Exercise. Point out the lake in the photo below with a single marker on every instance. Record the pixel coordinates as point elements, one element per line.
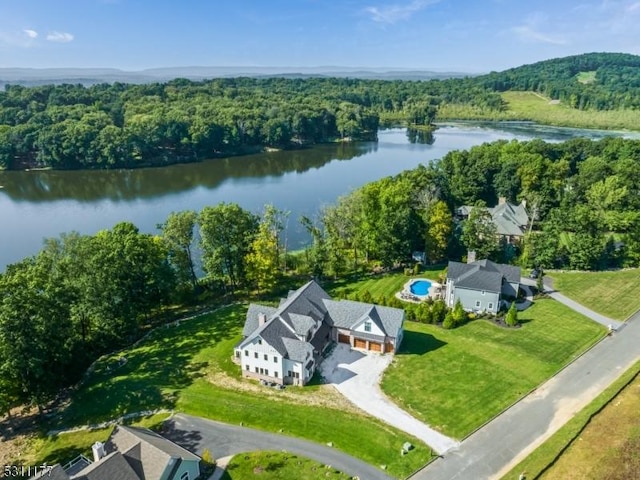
<point>40,204</point>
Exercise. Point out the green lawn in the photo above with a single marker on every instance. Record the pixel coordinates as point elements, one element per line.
<point>535,107</point>
<point>614,294</point>
<point>189,368</point>
<point>279,466</point>
<point>456,380</point>
<point>386,285</point>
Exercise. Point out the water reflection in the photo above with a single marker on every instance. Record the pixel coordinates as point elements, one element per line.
<point>125,185</point>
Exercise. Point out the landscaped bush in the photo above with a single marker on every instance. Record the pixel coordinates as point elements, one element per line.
<point>449,321</point>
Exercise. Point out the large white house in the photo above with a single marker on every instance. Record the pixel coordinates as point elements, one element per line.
<point>285,344</point>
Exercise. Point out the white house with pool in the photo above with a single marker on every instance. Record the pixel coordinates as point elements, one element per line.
<point>419,289</point>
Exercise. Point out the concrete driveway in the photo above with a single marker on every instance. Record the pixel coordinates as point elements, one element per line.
<point>356,375</point>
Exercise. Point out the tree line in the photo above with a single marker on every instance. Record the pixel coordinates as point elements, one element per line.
<point>84,295</point>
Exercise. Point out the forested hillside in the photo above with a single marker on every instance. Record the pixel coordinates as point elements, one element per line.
<point>126,126</point>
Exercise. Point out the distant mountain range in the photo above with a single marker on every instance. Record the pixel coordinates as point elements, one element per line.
<point>90,76</point>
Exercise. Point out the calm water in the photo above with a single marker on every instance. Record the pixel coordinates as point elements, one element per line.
<point>35,205</point>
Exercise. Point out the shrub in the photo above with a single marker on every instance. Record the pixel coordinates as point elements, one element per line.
<point>459,315</point>
<point>438,311</point>
<point>416,269</point>
<point>512,316</point>
<point>448,322</point>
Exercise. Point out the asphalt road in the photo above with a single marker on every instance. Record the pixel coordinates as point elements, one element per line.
<point>497,447</point>
<point>221,439</point>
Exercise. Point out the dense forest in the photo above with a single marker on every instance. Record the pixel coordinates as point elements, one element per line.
<point>124,126</point>
<point>84,295</point>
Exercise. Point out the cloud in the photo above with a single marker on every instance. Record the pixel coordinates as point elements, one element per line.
<point>528,33</point>
<point>30,33</point>
<point>59,37</point>
<point>394,13</point>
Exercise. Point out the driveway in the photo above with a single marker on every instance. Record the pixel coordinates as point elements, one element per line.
<point>222,440</point>
<point>356,375</point>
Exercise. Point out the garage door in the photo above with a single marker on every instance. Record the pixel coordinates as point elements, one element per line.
<point>360,343</point>
<point>343,338</point>
<point>375,347</point>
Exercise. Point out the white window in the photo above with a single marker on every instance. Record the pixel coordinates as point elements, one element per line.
<point>275,374</point>
<point>266,357</point>
<point>184,476</point>
<point>266,372</point>
<point>255,354</point>
<point>490,306</point>
<point>367,326</point>
<point>246,367</point>
<point>275,359</point>
<point>478,304</point>
<point>246,353</point>
<point>260,340</point>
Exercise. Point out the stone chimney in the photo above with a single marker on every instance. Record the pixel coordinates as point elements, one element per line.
<point>471,256</point>
<point>262,319</point>
<point>98,451</point>
<point>502,200</point>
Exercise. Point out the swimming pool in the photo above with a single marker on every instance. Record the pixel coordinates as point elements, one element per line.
<point>420,287</point>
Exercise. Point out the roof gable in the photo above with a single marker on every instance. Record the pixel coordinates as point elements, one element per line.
<point>347,314</point>
<point>482,275</point>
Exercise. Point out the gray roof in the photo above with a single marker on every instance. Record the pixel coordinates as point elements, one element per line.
<point>112,467</point>
<point>482,275</point>
<point>56,473</point>
<point>251,323</point>
<point>347,313</point>
<point>297,350</point>
<point>302,310</point>
<point>508,218</point>
<point>147,452</point>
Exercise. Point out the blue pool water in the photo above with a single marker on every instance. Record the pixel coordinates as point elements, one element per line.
<point>420,287</point>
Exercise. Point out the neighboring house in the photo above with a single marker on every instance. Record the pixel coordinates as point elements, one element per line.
<point>131,453</point>
<point>285,344</point>
<point>481,286</point>
<point>510,220</point>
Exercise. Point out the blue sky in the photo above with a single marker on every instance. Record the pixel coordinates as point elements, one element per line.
<point>462,35</point>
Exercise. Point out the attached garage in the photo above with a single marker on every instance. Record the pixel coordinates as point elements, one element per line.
<point>344,338</point>
<point>388,348</point>
<point>358,343</point>
<point>375,346</point>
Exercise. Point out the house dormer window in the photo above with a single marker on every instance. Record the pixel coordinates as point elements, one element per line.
<point>260,340</point>
<point>367,326</point>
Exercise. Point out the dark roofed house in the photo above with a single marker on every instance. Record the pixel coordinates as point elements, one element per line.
<point>285,344</point>
<point>510,220</point>
<point>481,286</point>
<point>132,453</point>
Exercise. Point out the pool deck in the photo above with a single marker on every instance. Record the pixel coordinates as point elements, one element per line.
<point>406,295</point>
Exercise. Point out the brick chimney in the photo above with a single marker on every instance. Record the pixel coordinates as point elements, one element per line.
<point>262,319</point>
<point>471,256</point>
<point>98,451</point>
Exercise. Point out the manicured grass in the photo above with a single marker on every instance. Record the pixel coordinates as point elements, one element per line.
<point>189,368</point>
<point>279,466</point>
<point>386,285</point>
<point>600,428</point>
<point>586,77</point>
<point>614,294</point>
<point>456,380</point>
<point>534,107</point>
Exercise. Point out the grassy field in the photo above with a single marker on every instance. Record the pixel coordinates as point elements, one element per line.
<point>189,368</point>
<point>386,285</point>
<point>535,107</point>
<point>592,443</point>
<point>614,294</point>
<point>456,380</point>
<point>279,466</point>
